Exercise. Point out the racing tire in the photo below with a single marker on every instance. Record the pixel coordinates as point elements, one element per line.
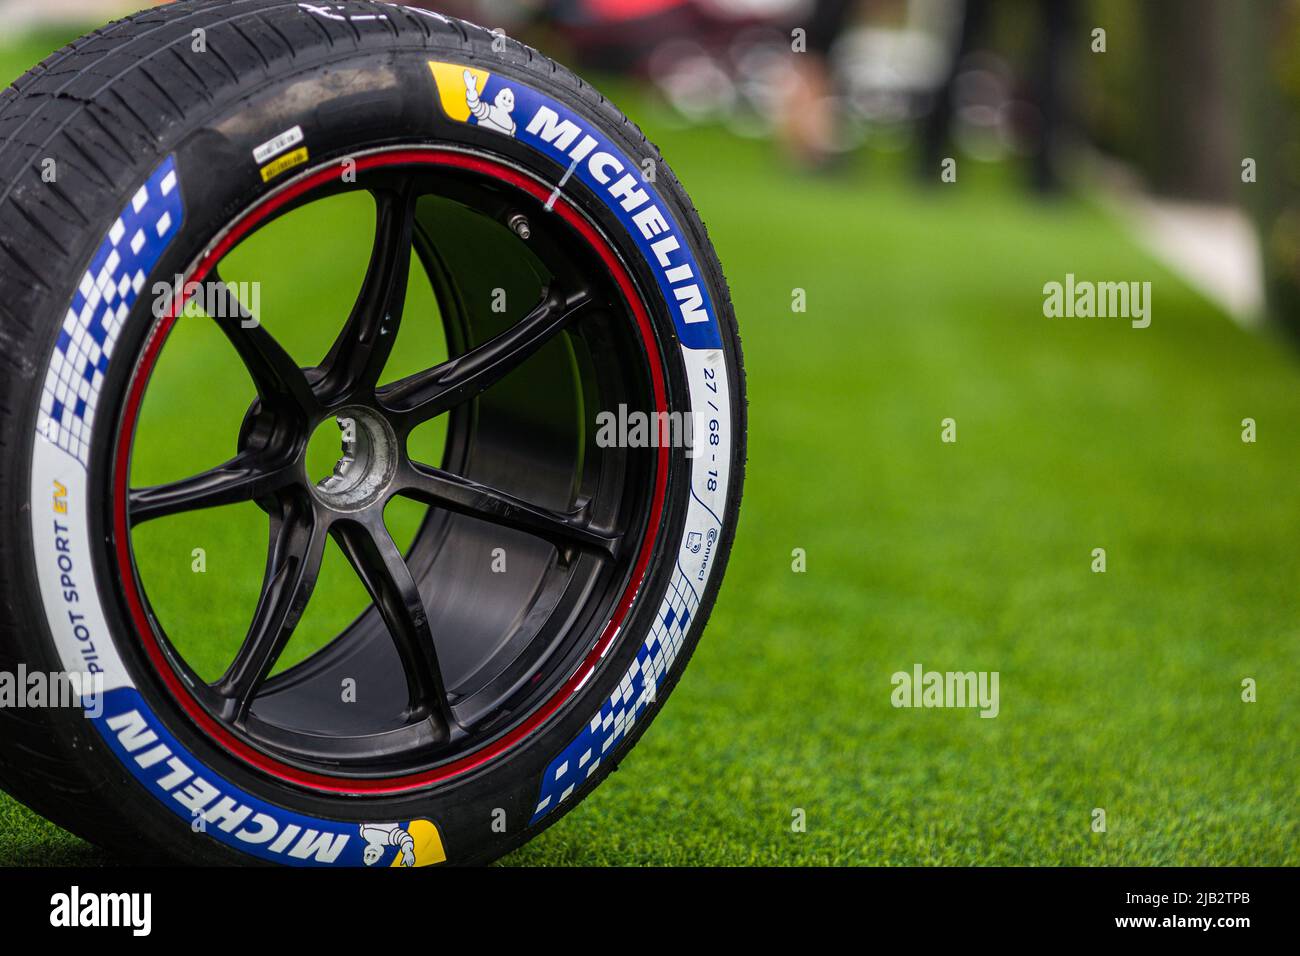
<point>134,164</point>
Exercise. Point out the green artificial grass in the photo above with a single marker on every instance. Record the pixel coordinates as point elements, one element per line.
<point>1119,691</point>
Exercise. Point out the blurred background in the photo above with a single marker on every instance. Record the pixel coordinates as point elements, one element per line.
<point>1159,104</point>
<point>1148,140</point>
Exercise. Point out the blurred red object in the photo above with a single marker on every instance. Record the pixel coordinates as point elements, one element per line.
<point>632,9</point>
<point>622,34</point>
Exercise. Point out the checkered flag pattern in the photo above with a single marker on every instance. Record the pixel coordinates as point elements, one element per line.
<point>106,294</point>
<point>635,692</point>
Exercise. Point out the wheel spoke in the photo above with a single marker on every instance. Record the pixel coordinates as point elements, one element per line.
<point>293,563</point>
<point>427,394</point>
<point>277,376</point>
<point>384,572</point>
<point>576,517</point>
<point>358,355</point>
<point>243,478</point>
<point>441,489</point>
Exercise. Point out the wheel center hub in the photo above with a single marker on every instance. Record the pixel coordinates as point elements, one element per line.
<point>365,469</point>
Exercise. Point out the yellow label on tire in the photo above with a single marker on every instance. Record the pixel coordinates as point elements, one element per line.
<point>285,163</point>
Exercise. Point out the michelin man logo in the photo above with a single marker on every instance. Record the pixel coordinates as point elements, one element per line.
<point>415,843</point>
<point>380,836</point>
<point>497,116</point>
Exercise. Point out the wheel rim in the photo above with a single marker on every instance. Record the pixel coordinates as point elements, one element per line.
<point>597,548</point>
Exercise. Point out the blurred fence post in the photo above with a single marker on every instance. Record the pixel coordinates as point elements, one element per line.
<point>1187,142</point>
<point>1267,59</point>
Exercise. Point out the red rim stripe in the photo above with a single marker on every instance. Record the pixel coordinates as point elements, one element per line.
<point>126,435</point>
